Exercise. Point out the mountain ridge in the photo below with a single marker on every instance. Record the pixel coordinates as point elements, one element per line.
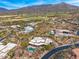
<point>44,9</point>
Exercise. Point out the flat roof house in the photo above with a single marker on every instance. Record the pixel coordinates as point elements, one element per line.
<point>38,41</point>
<point>4,49</point>
<point>63,32</point>
<point>15,26</point>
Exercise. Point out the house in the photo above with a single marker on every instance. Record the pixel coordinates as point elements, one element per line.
<point>32,24</point>
<point>27,29</point>
<point>62,32</point>
<point>39,41</point>
<point>4,49</point>
<point>51,32</point>
<point>15,26</point>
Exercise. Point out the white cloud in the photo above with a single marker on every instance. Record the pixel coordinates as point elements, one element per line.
<point>11,5</point>
<point>73,1</point>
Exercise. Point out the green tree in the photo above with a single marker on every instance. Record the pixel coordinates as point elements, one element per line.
<point>47,47</point>
<point>24,44</point>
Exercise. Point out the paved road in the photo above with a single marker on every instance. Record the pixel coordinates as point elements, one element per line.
<point>2,39</point>
<point>58,49</point>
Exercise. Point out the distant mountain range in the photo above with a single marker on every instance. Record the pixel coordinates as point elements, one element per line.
<point>42,9</point>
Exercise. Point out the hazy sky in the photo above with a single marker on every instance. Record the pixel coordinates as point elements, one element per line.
<point>14,4</point>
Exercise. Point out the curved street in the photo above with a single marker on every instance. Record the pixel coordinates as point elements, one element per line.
<point>58,49</point>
